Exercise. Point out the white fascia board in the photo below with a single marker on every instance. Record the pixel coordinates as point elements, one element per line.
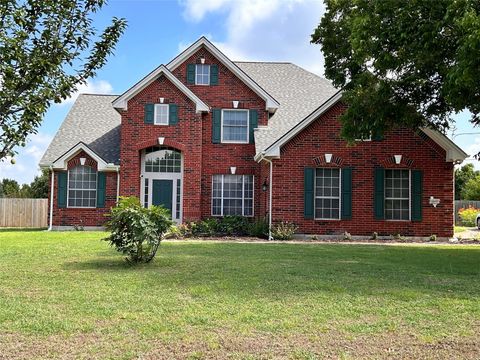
<point>122,101</point>
<point>270,103</point>
<point>62,162</point>
<point>454,152</point>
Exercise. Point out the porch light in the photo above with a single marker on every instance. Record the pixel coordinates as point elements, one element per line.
<point>398,159</point>
<point>162,100</point>
<point>233,170</point>
<point>82,161</point>
<point>202,60</point>
<point>328,158</point>
<point>265,185</point>
<point>235,103</point>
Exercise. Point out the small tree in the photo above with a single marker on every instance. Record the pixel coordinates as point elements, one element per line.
<point>137,231</point>
<point>471,190</point>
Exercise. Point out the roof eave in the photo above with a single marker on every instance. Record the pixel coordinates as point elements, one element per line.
<point>61,163</point>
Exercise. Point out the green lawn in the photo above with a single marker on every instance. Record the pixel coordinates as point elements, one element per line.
<point>68,295</point>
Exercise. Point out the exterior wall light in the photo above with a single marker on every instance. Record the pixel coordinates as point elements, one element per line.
<point>161,140</point>
<point>162,100</point>
<point>265,185</point>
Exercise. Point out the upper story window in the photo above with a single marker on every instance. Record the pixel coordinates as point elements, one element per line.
<point>161,114</point>
<point>162,160</point>
<point>327,193</point>
<point>397,194</point>
<point>235,126</point>
<point>202,74</point>
<point>82,187</point>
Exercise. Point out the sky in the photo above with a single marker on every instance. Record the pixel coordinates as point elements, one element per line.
<point>249,30</point>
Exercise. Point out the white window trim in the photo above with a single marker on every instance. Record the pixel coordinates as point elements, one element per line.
<point>68,193</point>
<point>243,195</point>
<point>155,114</point>
<point>248,128</point>
<point>209,74</point>
<point>409,197</point>
<point>328,197</point>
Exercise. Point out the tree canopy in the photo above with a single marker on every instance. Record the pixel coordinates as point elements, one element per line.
<point>462,177</point>
<point>47,49</point>
<point>402,63</point>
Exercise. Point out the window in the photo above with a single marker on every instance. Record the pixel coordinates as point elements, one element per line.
<point>232,195</point>
<point>161,114</point>
<point>202,74</point>
<point>327,193</point>
<point>235,126</point>
<point>162,160</point>
<point>82,187</point>
<point>397,194</point>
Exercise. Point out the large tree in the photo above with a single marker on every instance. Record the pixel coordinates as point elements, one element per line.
<point>47,49</point>
<point>462,176</point>
<point>402,63</point>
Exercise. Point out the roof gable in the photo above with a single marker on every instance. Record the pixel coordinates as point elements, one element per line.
<point>270,102</point>
<point>122,101</point>
<point>61,163</point>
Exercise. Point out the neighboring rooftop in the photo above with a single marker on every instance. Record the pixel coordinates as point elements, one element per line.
<point>92,120</point>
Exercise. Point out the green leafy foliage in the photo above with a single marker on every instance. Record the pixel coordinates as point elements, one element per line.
<point>224,226</point>
<point>37,189</point>
<point>402,63</point>
<point>471,189</point>
<point>283,230</point>
<point>48,48</point>
<point>468,216</point>
<point>136,231</point>
<point>40,185</point>
<point>462,176</point>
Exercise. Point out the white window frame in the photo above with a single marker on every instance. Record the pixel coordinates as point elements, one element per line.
<point>243,195</point>
<point>74,189</point>
<point>409,196</point>
<point>248,128</point>
<point>328,197</point>
<point>197,74</point>
<point>155,110</point>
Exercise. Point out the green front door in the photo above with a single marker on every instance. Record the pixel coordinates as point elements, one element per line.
<point>162,193</point>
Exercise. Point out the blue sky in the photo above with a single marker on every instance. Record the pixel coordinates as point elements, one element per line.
<point>270,30</point>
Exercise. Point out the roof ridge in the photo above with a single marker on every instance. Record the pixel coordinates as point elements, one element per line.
<point>263,62</point>
<point>93,94</point>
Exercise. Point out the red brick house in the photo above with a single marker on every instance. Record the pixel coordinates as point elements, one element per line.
<point>205,136</point>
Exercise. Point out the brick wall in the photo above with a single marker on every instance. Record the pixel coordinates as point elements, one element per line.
<point>308,149</point>
<point>84,216</point>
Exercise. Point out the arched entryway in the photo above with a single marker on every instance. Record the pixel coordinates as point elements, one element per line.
<point>162,182</point>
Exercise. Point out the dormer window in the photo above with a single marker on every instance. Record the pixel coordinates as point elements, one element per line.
<point>202,74</point>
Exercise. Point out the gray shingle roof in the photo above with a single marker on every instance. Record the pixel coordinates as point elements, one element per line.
<point>298,91</point>
<point>92,120</point>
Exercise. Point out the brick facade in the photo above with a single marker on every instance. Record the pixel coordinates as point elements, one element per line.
<point>202,159</point>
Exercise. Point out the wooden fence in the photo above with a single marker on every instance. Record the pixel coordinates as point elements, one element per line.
<point>25,213</point>
<point>459,204</point>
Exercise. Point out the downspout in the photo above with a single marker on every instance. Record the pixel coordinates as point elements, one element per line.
<point>270,192</point>
<point>50,223</point>
<point>118,183</point>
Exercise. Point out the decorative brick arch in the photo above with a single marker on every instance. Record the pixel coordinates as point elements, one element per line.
<point>334,162</point>
<point>390,162</point>
<point>167,142</point>
<point>75,161</point>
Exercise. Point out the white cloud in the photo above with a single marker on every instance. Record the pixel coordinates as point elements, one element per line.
<point>26,162</point>
<point>268,30</point>
<point>91,87</point>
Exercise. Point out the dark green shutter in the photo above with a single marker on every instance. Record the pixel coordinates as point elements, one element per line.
<point>101,189</point>
<point>379,193</point>
<point>308,192</point>
<point>417,188</point>
<point>148,114</point>
<point>173,114</point>
<point>62,189</point>
<point>253,125</point>
<point>191,73</point>
<point>346,193</point>
<point>213,74</point>
<point>216,125</point>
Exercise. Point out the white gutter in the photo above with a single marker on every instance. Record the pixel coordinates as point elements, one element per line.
<point>51,199</point>
<point>270,192</point>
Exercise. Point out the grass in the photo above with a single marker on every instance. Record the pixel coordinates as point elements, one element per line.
<point>460,229</point>
<point>70,295</point>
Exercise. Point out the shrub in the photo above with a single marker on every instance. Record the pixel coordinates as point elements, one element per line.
<point>468,216</point>
<point>233,225</point>
<point>137,231</point>
<point>207,227</point>
<point>283,230</point>
<point>258,228</point>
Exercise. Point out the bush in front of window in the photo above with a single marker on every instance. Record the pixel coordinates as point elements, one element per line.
<point>283,230</point>
<point>258,228</point>
<point>137,231</point>
<point>468,216</point>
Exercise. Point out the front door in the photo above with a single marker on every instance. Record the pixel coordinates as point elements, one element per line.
<point>162,191</point>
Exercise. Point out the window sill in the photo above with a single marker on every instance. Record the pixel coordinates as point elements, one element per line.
<point>235,142</point>
<point>80,207</point>
<point>320,219</point>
